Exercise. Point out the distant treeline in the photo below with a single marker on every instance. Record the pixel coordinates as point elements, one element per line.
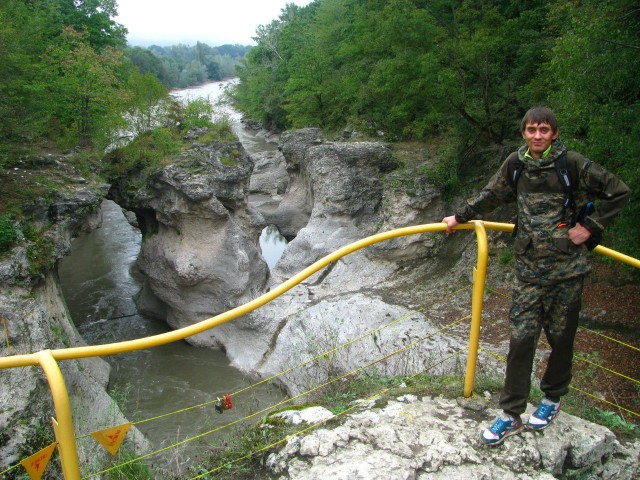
<point>458,74</point>
<point>180,66</point>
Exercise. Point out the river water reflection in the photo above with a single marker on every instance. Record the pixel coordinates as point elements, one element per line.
<point>99,280</point>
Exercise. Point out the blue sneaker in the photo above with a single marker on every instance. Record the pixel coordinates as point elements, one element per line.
<point>503,427</point>
<point>544,415</point>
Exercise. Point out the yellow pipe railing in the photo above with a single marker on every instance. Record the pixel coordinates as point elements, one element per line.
<point>63,426</point>
<point>479,276</point>
<point>185,332</point>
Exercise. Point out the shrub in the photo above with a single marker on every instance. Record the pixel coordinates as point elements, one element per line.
<point>197,113</point>
<point>8,233</point>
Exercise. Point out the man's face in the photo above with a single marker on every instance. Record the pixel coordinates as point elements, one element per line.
<point>538,137</point>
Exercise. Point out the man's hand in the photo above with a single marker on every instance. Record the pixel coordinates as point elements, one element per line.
<point>451,222</point>
<point>578,234</point>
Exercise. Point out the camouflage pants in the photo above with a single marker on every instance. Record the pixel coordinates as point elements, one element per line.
<point>554,309</point>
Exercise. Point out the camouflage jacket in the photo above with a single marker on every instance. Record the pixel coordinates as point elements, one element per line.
<point>544,254</point>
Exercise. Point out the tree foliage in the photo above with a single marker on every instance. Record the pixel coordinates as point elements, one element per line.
<point>83,81</point>
<point>63,74</point>
<point>180,66</point>
<point>461,72</point>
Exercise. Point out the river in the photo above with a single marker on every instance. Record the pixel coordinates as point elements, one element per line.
<point>99,280</point>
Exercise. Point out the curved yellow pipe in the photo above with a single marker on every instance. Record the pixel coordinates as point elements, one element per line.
<point>63,424</point>
<point>181,334</point>
<point>479,278</point>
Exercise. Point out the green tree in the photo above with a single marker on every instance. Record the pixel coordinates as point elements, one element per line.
<point>146,107</point>
<point>95,18</point>
<point>262,79</point>
<point>23,112</point>
<point>595,65</point>
<point>312,66</point>
<point>85,84</point>
<point>194,73</point>
<point>146,61</point>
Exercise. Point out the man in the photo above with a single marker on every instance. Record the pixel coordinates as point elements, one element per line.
<point>554,230</point>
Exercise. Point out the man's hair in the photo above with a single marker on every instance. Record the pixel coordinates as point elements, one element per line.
<point>537,115</point>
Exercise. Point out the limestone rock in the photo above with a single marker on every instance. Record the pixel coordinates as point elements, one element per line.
<point>199,249</point>
<point>269,174</point>
<point>33,311</point>
<point>337,192</point>
<point>433,438</point>
<point>310,415</point>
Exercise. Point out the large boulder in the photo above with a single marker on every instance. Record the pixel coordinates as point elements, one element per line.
<point>200,249</point>
<point>341,186</point>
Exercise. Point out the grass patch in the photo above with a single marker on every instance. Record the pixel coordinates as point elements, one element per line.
<point>145,153</point>
<point>134,470</point>
<point>506,256</point>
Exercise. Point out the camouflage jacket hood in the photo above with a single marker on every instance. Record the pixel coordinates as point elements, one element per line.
<point>543,251</point>
<point>557,147</point>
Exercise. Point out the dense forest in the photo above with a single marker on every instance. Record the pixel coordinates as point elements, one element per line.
<point>455,75</point>
<point>459,74</point>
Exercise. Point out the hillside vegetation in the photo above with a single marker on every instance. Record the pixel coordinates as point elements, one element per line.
<point>459,73</point>
<point>455,76</point>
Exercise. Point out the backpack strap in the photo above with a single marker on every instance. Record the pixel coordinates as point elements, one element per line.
<point>514,170</point>
<point>568,185</point>
<point>566,177</point>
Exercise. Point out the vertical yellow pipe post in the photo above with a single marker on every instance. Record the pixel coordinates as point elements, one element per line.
<point>63,425</point>
<point>479,278</point>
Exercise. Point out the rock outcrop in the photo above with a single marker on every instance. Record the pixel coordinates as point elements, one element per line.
<point>341,186</point>
<point>414,437</point>
<point>36,318</point>
<point>199,250</point>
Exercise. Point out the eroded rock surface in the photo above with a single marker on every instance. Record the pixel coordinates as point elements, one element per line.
<point>35,317</point>
<point>435,438</point>
<point>199,250</point>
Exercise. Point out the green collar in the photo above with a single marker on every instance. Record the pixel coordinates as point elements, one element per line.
<point>545,154</point>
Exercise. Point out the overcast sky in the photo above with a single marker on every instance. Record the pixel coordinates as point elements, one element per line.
<point>214,22</point>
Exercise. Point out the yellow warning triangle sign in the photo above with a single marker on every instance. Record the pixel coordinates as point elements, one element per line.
<point>36,464</point>
<point>112,438</point>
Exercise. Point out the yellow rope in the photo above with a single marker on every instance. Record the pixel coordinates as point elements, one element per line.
<point>306,362</point>
<point>9,469</point>
<point>235,422</point>
<point>610,338</point>
<point>497,355</point>
<point>311,427</point>
<point>604,401</point>
<point>585,328</point>
<point>606,369</point>
<point>602,367</point>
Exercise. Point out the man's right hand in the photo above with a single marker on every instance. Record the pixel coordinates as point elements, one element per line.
<point>451,222</point>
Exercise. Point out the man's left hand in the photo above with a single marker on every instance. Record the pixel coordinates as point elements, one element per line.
<point>578,234</point>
